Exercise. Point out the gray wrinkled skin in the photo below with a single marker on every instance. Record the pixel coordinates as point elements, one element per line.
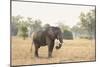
<point>47,37</point>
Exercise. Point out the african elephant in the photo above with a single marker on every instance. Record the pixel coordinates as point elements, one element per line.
<point>47,37</point>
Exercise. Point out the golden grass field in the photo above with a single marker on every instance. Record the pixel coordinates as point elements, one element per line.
<point>71,51</point>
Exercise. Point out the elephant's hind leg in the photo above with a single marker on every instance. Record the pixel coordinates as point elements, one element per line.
<point>36,50</point>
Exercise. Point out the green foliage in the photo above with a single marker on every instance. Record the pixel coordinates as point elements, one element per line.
<point>14,25</point>
<point>19,22</point>
<point>86,27</point>
<point>23,31</point>
<point>87,22</point>
<point>14,29</point>
<point>75,29</point>
<point>37,25</point>
<point>19,26</point>
<point>46,26</point>
<point>34,25</point>
<point>67,34</point>
<point>63,27</point>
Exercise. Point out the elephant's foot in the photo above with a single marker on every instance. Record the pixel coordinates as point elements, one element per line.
<point>36,56</point>
<point>49,56</point>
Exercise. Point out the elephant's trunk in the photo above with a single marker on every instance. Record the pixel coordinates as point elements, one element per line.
<point>58,47</point>
<point>61,41</point>
<point>60,38</point>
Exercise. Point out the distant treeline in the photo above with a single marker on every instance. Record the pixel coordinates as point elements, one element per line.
<point>24,27</point>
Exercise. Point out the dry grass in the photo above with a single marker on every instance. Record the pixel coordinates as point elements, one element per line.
<point>71,51</point>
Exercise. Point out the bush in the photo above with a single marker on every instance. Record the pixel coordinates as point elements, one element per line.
<point>23,32</point>
<point>67,34</point>
<point>14,29</point>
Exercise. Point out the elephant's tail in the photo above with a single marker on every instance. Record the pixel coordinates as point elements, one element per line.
<point>31,47</point>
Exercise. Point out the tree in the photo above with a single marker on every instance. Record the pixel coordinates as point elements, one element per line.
<point>33,25</point>
<point>63,27</point>
<point>14,24</point>
<point>14,29</point>
<point>19,24</point>
<point>76,30</point>
<point>67,34</point>
<point>37,25</point>
<point>23,29</point>
<point>24,32</point>
<point>46,26</point>
<point>87,22</point>
<point>30,26</point>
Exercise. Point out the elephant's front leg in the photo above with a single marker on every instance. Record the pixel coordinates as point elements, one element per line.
<point>50,49</point>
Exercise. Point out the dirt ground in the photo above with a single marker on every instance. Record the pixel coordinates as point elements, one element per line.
<point>71,51</point>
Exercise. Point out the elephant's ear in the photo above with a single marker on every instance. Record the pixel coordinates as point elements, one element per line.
<point>51,33</point>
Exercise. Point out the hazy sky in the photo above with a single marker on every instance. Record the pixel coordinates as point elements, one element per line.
<point>50,13</point>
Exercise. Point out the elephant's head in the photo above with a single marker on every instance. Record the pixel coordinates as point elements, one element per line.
<point>59,37</point>
<point>55,33</point>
